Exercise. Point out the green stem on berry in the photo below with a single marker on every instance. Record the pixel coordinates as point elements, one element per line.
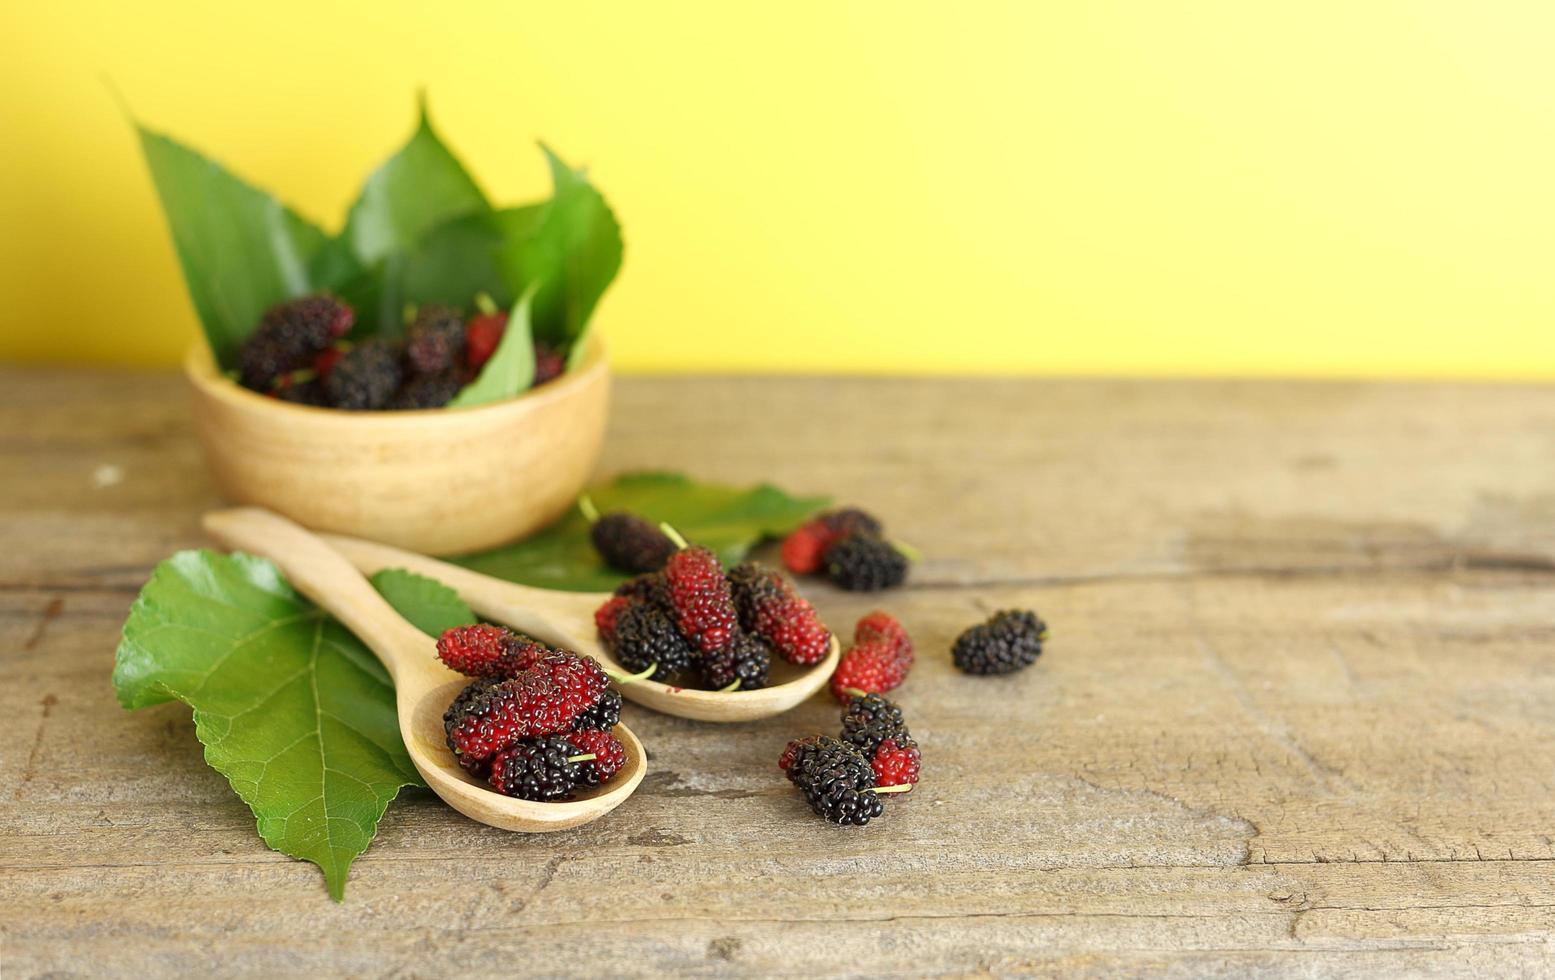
<point>732,687</point>
<point>900,788</point>
<point>908,551</point>
<point>674,535</point>
<point>590,512</point>
<point>297,377</point>
<point>590,757</point>
<point>621,678</point>
<point>485,304</point>
<point>854,692</point>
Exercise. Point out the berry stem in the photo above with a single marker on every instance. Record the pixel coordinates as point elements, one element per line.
<point>732,687</point>
<point>908,551</point>
<point>589,757</point>
<point>297,377</point>
<point>902,788</point>
<point>485,304</point>
<point>590,512</point>
<point>621,678</point>
<point>409,313</point>
<point>674,535</point>
<point>854,692</point>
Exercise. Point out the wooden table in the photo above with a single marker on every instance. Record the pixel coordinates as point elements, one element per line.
<point>1297,715</point>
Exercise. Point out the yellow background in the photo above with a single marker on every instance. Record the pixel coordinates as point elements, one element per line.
<point>1209,188</point>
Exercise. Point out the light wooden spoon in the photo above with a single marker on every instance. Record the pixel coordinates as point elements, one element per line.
<point>423,687</point>
<point>566,619</point>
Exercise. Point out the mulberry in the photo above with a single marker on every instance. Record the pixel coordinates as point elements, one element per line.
<point>881,626</point>
<point>605,714</point>
<point>549,364</point>
<point>837,783</point>
<point>865,563</point>
<point>427,391</point>
<point>608,752</point>
<point>289,336</point>
<point>606,615</point>
<point>435,340</point>
<point>769,608</point>
<point>868,667</point>
<point>896,763</point>
<point>481,336</point>
<point>1007,642</point>
<point>645,636</point>
<point>745,658</point>
<point>869,719</point>
<point>526,706</point>
<point>365,378</point>
<point>700,597</point>
<point>537,769</point>
<point>631,544</point>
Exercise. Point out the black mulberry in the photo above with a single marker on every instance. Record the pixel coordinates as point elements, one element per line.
<point>427,391</point>
<point>645,636</point>
<point>289,336</point>
<point>605,714</point>
<point>1009,641</point>
<point>865,563</point>
<point>435,340</point>
<point>745,658</point>
<point>537,769</point>
<point>838,782</point>
<point>630,543</point>
<point>871,719</point>
<point>365,378</point>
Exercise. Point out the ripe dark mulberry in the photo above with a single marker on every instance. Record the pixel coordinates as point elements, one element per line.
<point>645,636</point>
<point>427,391</point>
<point>745,658</point>
<point>865,563</point>
<point>699,594</point>
<point>537,769</point>
<point>605,714</point>
<point>435,341</point>
<point>289,336</point>
<point>652,588</point>
<point>836,781</point>
<point>365,378</point>
<point>797,751</point>
<point>804,550</point>
<point>1009,641</point>
<point>609,755</point>
<point>869,719</point>
<point>549,363</point>
<point>770,608</point>
<point>630,543</point>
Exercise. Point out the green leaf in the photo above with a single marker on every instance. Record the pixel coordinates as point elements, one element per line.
<point>292,708</point>
<point>574,250</point>
<point>429,605</point>
<point>414,191</point>
<point>729,520</point>
<point>241,250</point>
<point>512,365</point>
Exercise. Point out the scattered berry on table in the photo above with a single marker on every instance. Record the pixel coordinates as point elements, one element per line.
<point>865,563</point>
<point>871,667</point>
<point>604,716</point>
<point>880,625</point>
<point>745,658</point>
<point>537,769</point>
<point>850,520</point>
<point>837,782</point>
<point>609,755</point>
<point>802,549</point>
<point>700,597</point>
<point>435,341</point>
<point>869,719</point>
<point>796,751</point>
<point>1007,642</point>
<point>365,378</point>
<point>630,543</point>
<point>770,608</point>
<point>289,336</point>
<point>482,334</point>
<point>644,636</point>
<point>896,762</point>
<point>549,363</point>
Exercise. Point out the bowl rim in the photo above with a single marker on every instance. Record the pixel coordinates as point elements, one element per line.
<point>201,370</point>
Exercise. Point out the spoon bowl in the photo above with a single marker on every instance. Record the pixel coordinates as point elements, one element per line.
<point>423,687</point>
<point>566,619</point>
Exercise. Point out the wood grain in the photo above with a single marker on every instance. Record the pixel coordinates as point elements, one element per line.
<point>1294,720</point>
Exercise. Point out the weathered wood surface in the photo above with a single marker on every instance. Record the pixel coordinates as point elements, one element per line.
<point>1297,716</point>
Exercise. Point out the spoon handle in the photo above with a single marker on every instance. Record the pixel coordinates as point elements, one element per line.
<point>538,612</point>
<point>323,575</point>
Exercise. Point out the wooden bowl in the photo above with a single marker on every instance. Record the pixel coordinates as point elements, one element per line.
<point>440,481</point>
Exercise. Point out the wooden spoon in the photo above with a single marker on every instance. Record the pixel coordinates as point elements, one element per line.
<point>423,687</point>
<point>566,619</point>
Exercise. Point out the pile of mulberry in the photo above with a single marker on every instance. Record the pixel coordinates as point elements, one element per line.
<point>851,547</point>
<point>1009,641</point>
<point>878,661</point>
<point>694,625</point>
<point>536,721</point>
<point>844,779</point>
<point>288,339</point>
